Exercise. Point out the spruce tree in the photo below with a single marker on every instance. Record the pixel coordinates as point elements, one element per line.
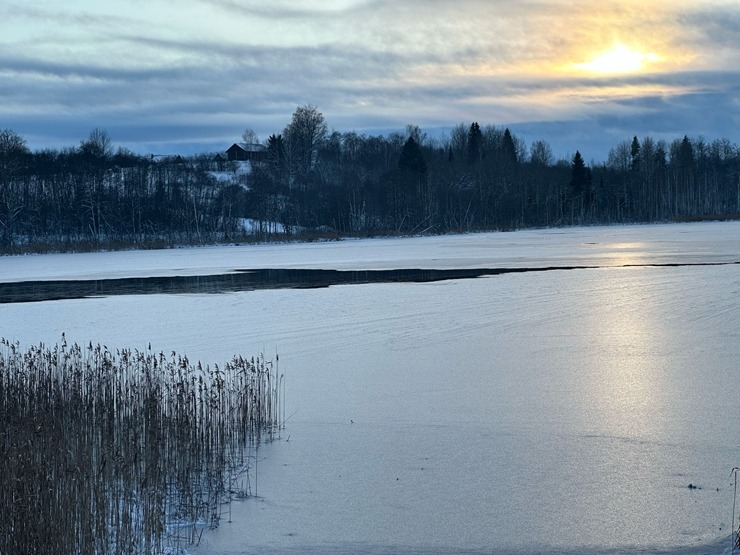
<point>475,144</point>
<point>508,148</point>
<point>635,152</point>
<point>412,159</point>
<point>580,180</point>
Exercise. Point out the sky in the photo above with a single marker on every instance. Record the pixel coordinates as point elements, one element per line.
<point>190,76</point>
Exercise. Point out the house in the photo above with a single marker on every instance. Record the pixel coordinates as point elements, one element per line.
<point>244,151</point>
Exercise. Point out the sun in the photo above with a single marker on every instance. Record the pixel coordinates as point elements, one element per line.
<point>620,59</point>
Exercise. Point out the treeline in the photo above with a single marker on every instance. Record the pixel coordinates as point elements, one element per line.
<point>93,196</point>
<point>316,181</point>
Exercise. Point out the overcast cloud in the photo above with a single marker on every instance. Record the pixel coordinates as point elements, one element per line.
<point>190,76</point>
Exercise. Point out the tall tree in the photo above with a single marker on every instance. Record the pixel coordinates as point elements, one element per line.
<point>13,157</point>
<point>406,187</point>
<point>635,153</point>
<point>250,137</point>
<point>541,154</point>
<point>458,141</point>
<point>475,144</point>
<point>686,154</point>
<point>415,131</point>
<point>580,176</point>
<point>276,152</point>
<point>304,135</point>
<point>412,159</point>
<point>508,148</point>
<point>98,145</point>
<point>580,184</point>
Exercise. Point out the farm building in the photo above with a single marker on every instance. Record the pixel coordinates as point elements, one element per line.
<point>244,151</point>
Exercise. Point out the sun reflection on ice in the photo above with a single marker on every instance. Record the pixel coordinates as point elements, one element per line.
<point>626,333</point>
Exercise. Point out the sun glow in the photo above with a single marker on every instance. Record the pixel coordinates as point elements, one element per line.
<point>620,59</point>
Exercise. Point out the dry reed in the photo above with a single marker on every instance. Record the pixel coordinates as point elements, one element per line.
<point>132,453</point>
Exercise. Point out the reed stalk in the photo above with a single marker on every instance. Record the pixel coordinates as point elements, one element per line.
<point>129,452</point>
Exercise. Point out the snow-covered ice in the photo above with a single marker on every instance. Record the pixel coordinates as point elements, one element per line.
<point>589,246</point>
<point>551,411</point>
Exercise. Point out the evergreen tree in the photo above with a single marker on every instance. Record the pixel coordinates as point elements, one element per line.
<point>276,150</point>
<point>412,159</point>
<point>660,156</point>
<point>508,148</point>
<point>580,180</point>
<point>475,144</point>
<point>686,154</point>
<point>635,153</point>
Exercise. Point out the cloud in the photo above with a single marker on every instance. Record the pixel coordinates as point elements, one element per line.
<point>205,71</point>
<point>704,114</point>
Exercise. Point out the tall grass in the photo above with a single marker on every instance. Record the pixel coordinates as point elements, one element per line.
<point>133,452</point>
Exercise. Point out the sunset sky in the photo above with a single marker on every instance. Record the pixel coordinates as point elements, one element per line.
<point>189,76</point>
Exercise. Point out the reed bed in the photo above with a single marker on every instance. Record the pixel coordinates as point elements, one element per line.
<point>132,453</point>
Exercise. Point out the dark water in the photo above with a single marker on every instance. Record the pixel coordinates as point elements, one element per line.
<point>241,280</point>
<point>254,279</point>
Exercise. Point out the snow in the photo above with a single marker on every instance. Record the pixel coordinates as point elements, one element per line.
<point>223,177</point>
<point>523,413</point>
<point>242,167</point>
<point>253,226</point>
<point>238,175</point>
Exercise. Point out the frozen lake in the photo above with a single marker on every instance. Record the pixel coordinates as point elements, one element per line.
<point>549,410</point>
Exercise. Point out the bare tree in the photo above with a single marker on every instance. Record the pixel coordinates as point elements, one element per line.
<point>13,153</point>
<point>415,132</point>
<point>305,134</point>
<point>98,144</point>
<point>541,154</point>
<point>458,141</point>
<point>620,157</point>
<point>250,137</point>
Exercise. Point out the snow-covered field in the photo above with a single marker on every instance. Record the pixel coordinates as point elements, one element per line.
<point>553,411</point>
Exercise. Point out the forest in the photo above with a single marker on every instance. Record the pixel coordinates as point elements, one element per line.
<point>317,183</point>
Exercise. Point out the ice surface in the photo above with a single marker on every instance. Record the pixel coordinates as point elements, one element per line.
<point>591,246</point>
<point>558,411</point>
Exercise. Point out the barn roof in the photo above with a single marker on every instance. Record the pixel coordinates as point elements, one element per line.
<point>249,147</point>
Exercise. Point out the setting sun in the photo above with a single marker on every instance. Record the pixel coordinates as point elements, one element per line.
<point>620,59</point>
